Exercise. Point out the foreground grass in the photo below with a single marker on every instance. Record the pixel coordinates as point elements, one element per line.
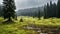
<point>15,28</point>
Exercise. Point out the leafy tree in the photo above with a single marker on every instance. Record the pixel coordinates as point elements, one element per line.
<point>9,9</point>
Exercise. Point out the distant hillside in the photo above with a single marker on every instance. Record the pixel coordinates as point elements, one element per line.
<point>30,11</point>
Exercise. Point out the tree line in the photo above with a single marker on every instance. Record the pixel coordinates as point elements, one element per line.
<point>52,10</point>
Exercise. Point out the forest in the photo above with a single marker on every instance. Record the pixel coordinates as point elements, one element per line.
<point>39,20</point>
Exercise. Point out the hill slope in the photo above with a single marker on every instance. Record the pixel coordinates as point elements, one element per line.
<point>30,11</point>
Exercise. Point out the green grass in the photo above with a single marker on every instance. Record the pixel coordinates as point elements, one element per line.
<point>15,28</point>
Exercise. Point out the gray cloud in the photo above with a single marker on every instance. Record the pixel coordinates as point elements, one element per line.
<point>31,3</point>
<point>21,4</point>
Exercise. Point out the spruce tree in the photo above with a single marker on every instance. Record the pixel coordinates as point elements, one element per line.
<point>58,9</point>
<point>45,12</point>
<point>48,7</point>
<point>51,9</point>
<point>54,10</point>
<point>9,9</point>
<point>39,14</point>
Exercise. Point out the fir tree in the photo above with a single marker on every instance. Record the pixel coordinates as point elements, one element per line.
<point>58,9</point>
<point>9,9</point>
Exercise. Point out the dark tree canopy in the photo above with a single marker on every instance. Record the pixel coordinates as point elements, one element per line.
<point>50,10</point>
<point>39,14</point>
<point>0,10</point>
<point>9,9</point>
<point>58,9</point>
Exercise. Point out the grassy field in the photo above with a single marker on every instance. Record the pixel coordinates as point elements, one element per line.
<point>16,27</point>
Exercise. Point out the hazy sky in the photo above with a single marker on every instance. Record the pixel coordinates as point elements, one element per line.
<point>22,4</point>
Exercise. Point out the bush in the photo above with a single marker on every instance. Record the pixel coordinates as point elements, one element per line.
<point>21,20</point>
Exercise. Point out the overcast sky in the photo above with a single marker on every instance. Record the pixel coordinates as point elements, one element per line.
<point>22,4</point>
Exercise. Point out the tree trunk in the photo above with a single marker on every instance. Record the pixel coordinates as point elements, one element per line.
<point>9,19</point>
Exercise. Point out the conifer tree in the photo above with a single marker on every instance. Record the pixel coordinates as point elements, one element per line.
<point>58,9</point>
<point>39,14</point>
<point>9,9</point>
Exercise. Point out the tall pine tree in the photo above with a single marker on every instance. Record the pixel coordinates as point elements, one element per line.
<point>48,12</point>
<point>58,9</point>
<point>45,12</point>
<point>54,10</point>
<point>9,9</point>
<point>51,9</point>
<point>39,14</point>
